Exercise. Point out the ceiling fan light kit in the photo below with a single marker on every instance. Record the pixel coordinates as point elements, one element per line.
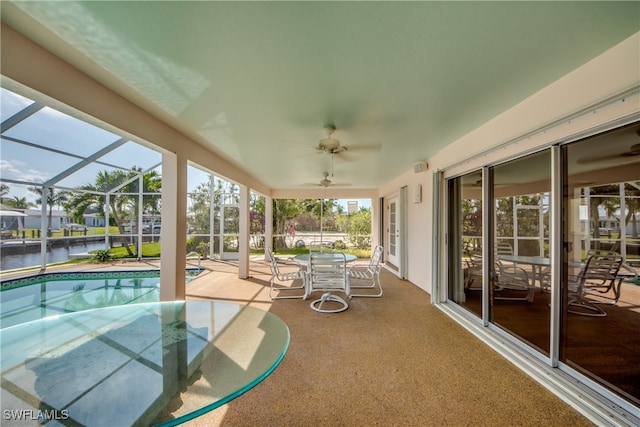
<point>326,182</point>
<point>330,145</point>
<point>633,151</point>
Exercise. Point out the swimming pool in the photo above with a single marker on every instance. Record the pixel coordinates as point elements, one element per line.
<point>51,294</point>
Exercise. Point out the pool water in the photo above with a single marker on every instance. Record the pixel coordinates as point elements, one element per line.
<point>51,294</point>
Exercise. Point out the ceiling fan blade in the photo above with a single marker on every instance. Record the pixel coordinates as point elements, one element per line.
<point>315,184</point>
<point>478,184</point>
<point>364,147</point>
<point>326,183</point>
<point>345,156</point>
<point>596,159</point>
<point>300,148</point>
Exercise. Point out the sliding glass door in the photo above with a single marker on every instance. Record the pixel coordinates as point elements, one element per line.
<point>499,254</point>
<point>602,212</point>
<point>521,264</point>
<point>465,241</point>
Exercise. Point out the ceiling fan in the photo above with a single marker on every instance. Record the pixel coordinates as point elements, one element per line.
<point>633,151</point>
<point>478,184</point>
<point>331,145</point>
<point>326,182</point>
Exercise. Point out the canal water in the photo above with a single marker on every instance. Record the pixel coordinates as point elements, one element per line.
<point>56,254</point>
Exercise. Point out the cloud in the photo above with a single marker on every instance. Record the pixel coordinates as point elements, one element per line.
<point>15,169</point>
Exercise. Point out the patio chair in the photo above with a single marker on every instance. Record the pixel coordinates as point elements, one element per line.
<point>473,270</point>
<point>328,273</point>
<point>513,280</point>
<point>600,270</point>
<point>278,278</point>
<point>601,285</point>
<point>504,249</point>
<point>369,273</point>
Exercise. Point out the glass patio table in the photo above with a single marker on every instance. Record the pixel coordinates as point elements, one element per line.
<point>138,364</point>
<point>537,263</point>
<point>304,258</point>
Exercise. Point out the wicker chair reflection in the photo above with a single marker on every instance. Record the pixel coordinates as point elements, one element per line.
<point>328,274</point>
<point>278,278</point>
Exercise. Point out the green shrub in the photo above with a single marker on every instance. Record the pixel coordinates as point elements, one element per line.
<point>339,244</point>
<point>203,249</point>
<point>198,244</point>
<point>102,255</point>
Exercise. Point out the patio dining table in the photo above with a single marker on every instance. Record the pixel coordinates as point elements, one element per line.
<point>304,258</point>
<point>137,364</point>
<point>537,263</point>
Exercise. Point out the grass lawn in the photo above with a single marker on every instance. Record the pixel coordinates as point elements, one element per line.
<point>152,250</point>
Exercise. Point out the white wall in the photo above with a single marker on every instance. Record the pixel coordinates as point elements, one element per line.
<point>606,76</point>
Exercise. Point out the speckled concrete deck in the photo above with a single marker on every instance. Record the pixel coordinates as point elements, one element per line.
<point>395,360</point>
<point>392,361</point>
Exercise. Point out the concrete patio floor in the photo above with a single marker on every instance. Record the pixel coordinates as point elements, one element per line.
<point>396,360</point>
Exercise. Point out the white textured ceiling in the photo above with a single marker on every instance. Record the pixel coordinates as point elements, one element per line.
<point>257,81</point>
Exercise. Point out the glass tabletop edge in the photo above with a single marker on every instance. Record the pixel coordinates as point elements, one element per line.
<point>195,414</point>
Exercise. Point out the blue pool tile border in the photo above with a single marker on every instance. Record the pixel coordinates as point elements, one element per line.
<point>124,274</point>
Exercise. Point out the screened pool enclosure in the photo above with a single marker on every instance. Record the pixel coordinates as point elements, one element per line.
<point>101,190</point>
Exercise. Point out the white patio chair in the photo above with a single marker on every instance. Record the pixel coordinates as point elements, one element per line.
<point>278,279</point>
<point>328,273</point>
<point>473,271</point>
<point>513,280</point>
<point>504,249</point>
<point>602,286</point>
<point>600,270</point>
<point>369,273</point>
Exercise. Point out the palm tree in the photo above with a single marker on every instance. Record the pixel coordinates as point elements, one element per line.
<point>123,203</point>
<point>18,202</point>
<point>608,204</point>
<point>633,206</point>
<point>4,192</point>
<point>284,212</point>
<point>53,198</point>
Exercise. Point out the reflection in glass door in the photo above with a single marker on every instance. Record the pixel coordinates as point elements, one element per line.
<point>521,298</point>
<point>518,262</point>
<point>465,241</point>
<point>602,216</point>
<point>393,232</point>
<point>597,214</point>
